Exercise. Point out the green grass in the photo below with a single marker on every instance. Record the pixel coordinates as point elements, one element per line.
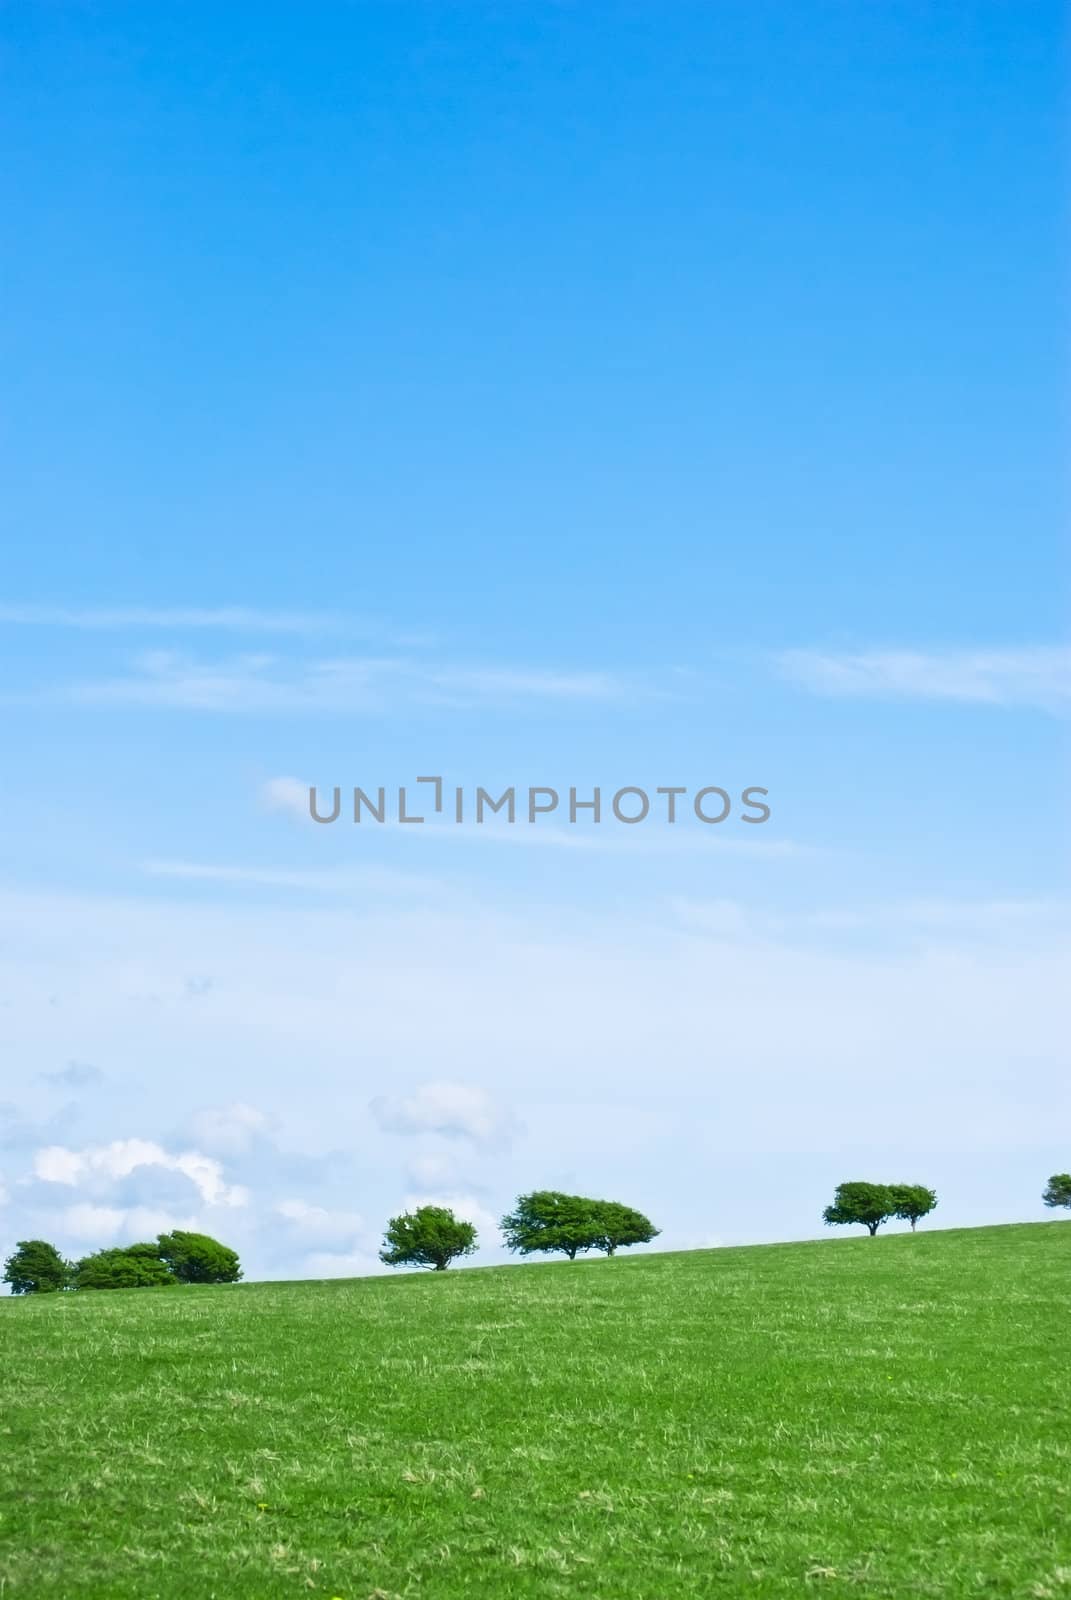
<point>885,1418</point>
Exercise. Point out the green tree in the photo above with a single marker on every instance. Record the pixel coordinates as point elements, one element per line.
<point>431,1236</point>
<point>617,1226</point>
<point>912,1201</point>
<point>868,1203</point>
<point>1058,1190</point>
<point>134,1266</point>
<point>36,1267</point>
<point>551,1221</point>
<point>198,1258</point>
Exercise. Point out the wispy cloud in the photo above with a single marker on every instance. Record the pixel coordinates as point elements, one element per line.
<point>1034,675</point>
<point>922,924</point>
<point>236,619</point>
<point>262,683</point>
<point>612,839</point>
<point>341,881</point>
<point>75,1075</point>
<point>290,795</point>
<point>455,1110</point>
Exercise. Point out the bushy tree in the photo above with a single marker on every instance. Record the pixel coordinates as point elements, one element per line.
<point>198,1258</point>
<point>551,1221</point>
<point>912,1201</point>
<point>1058,1190</point>
<point>431,1236</point>
<point>133,1266</point>
<point>618,1226</point>
<point>868,1203</point>
<point>571,1223</point>
<point>36,1267</point>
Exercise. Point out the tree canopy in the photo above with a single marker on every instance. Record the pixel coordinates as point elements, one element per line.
<point>868,1203</point>
<point>132,1266</point>
<point>36,1267</point>
<point>431,1236</point>
<point>198,1258</point>
<point>1058,1190</point>
<point>547,1220</point>
<point>912,1201</point>
<point>619,1226</point>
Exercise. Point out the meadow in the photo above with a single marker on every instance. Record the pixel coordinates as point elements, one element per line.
<point>843,1417</point>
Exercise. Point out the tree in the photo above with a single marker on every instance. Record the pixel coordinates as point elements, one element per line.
<point>551,1221</point>
<point>36,1267</point>
<point>571,1223</point>
<point>617,1226</point>
<point>431,1236</point>
<point>1058,1190</point>
<point>868,1203</point>
<point>197,1258</point>
<point>135,1266</point>
<point>912,1201</point>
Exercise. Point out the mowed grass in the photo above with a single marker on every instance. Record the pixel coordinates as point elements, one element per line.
<point>885,1418</point>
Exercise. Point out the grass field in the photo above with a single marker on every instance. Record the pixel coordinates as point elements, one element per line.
<point>886,1418</point>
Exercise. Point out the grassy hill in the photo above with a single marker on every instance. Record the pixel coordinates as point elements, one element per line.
<point>857,1417</point>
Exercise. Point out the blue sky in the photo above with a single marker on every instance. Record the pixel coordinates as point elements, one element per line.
<point>539,395</point>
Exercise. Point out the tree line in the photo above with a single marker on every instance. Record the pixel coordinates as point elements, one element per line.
<point>543,1222</point>
<point>871,1204</point>
<point>36,1267</point>
<point>874,1203</point>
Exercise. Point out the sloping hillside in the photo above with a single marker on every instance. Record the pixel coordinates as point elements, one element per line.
<point>879,1418</point>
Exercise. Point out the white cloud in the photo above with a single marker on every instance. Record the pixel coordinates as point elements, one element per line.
<point>262,683</point>
<point>465,685</point>
<point>927,923</point>
<point>98,1223</point>
<point>229,1130</point>
<point>465,1206</point>
<point>54,1164</point>
<point>613,838</point>
<point>334,881</point>
<point>320,1225</point>
<point>287,794</point>
<point>238,619</point>
<point>111,1162</point>
<point>1037,676</point>
<point>107,1225</point>
<point>454,1109</point>
<point>342,1264</point>
<point>432,1170</point>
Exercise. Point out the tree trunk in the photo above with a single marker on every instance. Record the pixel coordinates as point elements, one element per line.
<point>913,1221</point>
<point>441,1266</point>
<point>873,1226</point>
